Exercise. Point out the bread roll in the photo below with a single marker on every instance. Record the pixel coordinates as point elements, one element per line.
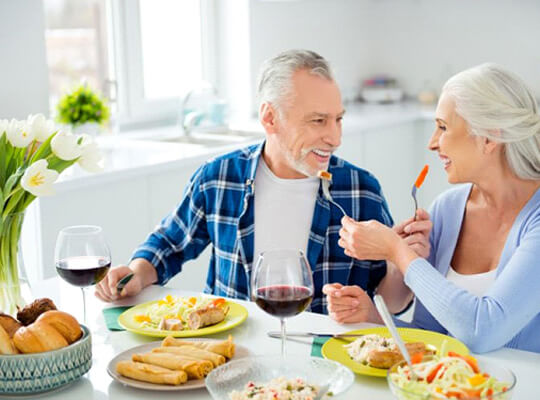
<point>64,323</point>
<point>6,345</point>
<point>9,323</point>
<point>38,337</point>
<point>33,310</point>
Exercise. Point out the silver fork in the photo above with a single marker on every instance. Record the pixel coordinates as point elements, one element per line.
<point>326,192</point>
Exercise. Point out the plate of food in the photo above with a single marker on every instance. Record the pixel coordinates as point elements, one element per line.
<point>173,364</point>
<point>183,316</point>
<point>375,352</point>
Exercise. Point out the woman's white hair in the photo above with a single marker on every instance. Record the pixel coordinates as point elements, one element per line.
<point>275,78</point>
<point>498,105</point>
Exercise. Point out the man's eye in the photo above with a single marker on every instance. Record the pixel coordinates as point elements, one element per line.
<point>339,120</point>
<point>318,121</point>
<point>442,128</point>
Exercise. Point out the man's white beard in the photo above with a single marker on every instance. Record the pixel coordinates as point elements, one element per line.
<point>301,165</point>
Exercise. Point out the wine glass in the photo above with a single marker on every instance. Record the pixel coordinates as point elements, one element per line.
<point>282,285</point>
<point>82,257</point>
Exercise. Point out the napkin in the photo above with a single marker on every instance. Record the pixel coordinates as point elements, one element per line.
<point>111,317</point>
<point>317,346</point>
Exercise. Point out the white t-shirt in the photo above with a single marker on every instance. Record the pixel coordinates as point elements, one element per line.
<point>477,284</point>
<point>283,211</point>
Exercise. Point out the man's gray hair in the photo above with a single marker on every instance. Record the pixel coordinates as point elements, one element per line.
<point>498,105</point>
<point>274,83</point>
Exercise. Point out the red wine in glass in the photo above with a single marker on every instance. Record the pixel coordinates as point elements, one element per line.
<point>82,257</point>
<point>283,301</point>
<point>84,270</point>
<point>282,285</point>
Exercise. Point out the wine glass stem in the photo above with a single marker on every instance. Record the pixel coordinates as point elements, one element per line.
<point>283,336</point>
<point>84,304</point>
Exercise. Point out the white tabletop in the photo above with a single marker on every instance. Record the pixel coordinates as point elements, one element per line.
<point>97,384</point>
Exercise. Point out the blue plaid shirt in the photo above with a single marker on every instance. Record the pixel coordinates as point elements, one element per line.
<point>218,209</point>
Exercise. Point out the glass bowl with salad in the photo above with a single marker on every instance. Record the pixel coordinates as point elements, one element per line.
<point>278,378</point>
<point>453,376</point>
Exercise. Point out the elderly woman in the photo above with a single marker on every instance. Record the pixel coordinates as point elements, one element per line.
<point>476,274</point>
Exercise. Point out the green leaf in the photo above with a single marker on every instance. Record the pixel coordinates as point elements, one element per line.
<point>3,158</point>
<point>12,202</point>
<point>1,198</point>
<point>44,150</point>
<point>11,182</point>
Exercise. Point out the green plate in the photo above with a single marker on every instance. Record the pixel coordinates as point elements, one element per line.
<point>334,349</point>
<point>236,315</point>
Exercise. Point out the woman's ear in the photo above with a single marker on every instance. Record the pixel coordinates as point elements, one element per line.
<point>488,144</point>
<point>268,117</point>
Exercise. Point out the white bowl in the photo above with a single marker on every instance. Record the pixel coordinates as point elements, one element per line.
<point>234,375</point>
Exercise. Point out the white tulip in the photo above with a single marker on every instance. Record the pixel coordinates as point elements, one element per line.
<point>65,146</point>
<point>3,126</point>
<point>40,127</point>
<point>38,179</point>
<point>18,133</point>
<point>91,158</point>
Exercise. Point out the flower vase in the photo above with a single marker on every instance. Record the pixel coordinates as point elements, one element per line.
<point>14,287</point>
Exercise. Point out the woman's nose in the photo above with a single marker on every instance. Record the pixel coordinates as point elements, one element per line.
<point>433,143</point>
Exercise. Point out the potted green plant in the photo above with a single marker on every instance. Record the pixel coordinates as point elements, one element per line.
<point>83,109</point>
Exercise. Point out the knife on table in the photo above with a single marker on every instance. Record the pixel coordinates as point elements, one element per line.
<point>277,334</point>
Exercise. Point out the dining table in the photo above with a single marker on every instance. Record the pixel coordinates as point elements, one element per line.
<point>97,384</point>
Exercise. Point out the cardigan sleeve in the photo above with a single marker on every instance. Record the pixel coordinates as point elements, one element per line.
<point>488,322</point>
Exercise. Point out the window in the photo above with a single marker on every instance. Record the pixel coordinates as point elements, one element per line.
<point>77,46</point>
<point>163,49</point>
<point>143,55</point>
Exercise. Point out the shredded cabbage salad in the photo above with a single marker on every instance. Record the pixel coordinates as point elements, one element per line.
<point>450,377</point>
<point>175,307</point>
<point>277,389</point>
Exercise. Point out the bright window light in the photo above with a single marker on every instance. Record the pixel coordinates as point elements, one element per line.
<point>171,46</point>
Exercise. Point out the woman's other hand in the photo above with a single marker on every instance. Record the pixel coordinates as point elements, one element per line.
<point>416,233</point>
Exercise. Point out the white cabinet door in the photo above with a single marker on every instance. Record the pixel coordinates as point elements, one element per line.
<point>165,191</point>
<point>119,207</point>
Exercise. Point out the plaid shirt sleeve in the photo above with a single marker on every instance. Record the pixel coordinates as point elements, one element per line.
<point>181,236</point>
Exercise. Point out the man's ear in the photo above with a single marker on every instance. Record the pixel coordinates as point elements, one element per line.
<point>268,117</point>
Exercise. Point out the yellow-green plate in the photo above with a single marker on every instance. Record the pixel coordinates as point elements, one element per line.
<point>236,315</point>
<point>334,349</point>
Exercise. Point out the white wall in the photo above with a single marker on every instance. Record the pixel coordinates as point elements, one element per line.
<point>24,84</point>
<point>416,41</point>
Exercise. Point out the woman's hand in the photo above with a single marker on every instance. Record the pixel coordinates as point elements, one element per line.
<point>416,233</point>
<point>367,240</point>
<point>349,304</point>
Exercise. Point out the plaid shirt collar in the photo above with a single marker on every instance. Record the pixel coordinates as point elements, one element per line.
<point>319,224</point>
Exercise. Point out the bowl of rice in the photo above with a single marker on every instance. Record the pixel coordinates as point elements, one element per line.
<point>277,378</point>
<point>451,377</point>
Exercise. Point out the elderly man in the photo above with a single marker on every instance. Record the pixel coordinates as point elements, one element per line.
<point>268,196</point>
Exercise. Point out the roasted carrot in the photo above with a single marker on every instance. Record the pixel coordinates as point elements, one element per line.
<point>421,176</point>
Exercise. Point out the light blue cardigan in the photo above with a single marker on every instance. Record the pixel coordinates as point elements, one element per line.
<point>508,315</point>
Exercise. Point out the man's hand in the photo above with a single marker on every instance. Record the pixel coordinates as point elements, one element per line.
<point>416,233</point>
<point>349,304</point>
<point>106,289</point>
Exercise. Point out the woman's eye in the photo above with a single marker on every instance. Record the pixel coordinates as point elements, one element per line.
<point>442,128</point>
